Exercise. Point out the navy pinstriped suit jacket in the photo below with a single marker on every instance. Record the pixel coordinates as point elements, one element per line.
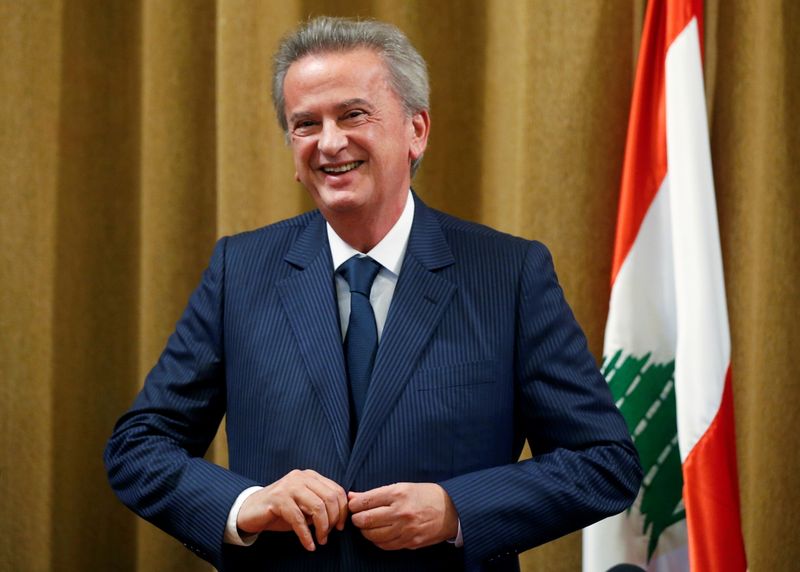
<point>479,351</point>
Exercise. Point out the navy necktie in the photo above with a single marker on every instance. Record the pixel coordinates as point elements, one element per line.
<point>361,340</point>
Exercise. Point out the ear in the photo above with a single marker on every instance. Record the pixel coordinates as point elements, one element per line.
<point>296,177</point>
<point>421,126</point>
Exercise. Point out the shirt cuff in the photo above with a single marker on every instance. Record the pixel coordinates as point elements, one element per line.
<point>458,541</point>
<point>232,535</point>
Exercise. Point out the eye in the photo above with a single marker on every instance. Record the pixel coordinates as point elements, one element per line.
<point>303,127</point>
<point>354,114</point>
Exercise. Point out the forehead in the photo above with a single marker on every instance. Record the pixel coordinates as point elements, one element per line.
<point>355,74</point>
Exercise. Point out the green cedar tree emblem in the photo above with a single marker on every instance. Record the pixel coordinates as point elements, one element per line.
<point>644,391</point>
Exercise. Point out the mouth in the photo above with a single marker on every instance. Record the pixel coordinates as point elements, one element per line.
<point>340,169</point>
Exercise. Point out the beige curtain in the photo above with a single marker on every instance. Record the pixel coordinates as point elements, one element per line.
<point>135,132</point>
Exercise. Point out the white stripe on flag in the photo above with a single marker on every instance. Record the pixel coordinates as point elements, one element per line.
<point>703,350</point>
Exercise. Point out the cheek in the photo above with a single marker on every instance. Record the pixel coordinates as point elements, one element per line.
<point>301,153</point>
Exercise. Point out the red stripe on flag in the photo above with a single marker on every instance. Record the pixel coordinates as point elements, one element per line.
<point>711,495</point>
<point>678,17</point>
<point>645,164</point>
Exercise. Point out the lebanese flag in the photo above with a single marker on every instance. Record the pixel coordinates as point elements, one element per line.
<point>667,341</point>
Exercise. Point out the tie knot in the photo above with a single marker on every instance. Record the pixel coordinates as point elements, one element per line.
<point>360,271</point>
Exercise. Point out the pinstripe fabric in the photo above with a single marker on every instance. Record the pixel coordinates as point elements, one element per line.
<point>478,352</point>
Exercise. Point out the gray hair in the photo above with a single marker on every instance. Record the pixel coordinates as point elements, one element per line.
<point>408,73</point>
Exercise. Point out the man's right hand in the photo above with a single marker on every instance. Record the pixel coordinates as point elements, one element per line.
<point>292,503</point>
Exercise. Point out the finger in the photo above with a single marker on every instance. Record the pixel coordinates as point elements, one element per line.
<point>381,496</point>
<point>386,537</point>
<point>312,505</point>
<point>343,511</point>
<point>309,477</point>
<point>374,518</point>
<point>322,478</point>
<point>334,502</point>
<point>332,487</point>
<point>316,496</point>
<point>295,517</point>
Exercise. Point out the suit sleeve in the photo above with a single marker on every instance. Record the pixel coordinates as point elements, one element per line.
<point>584,466</point>
<point>154,457</point>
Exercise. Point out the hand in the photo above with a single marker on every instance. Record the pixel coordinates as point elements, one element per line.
<point>292,503</point>
<point>404,515</point>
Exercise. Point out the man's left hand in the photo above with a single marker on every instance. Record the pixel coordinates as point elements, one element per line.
<point>404,515</point>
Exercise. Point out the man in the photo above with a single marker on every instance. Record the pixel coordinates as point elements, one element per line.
<point>376,405</point>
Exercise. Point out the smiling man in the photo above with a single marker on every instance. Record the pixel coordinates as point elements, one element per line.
<point>381,364</point>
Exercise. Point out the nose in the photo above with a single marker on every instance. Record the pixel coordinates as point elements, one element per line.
<point>332,138</point>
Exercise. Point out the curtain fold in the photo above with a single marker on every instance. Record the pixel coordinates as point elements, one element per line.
<point>134,134</point>
<point>754,140</point>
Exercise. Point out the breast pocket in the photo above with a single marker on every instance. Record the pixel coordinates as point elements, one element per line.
<point>465,374</point>
<point>469,409</point>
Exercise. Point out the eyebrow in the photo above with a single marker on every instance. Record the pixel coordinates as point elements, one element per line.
<point>343,105</point>
<point>355,101</point>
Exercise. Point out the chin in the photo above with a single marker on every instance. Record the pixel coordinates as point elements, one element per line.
<point>339,200</point>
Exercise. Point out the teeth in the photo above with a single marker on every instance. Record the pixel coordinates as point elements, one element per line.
<point>342,168</point>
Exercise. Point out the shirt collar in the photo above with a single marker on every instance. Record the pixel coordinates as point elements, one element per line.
<point>389,252</point>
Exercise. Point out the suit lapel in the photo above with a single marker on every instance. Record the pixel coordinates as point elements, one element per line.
<point>309,299</point>
<point>418,304</point>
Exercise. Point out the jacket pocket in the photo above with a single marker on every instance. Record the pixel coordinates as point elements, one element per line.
<point>471,373</point>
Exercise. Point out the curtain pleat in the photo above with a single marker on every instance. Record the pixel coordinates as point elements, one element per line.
<point>755,139</point>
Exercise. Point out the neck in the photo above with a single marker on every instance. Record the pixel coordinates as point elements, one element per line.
<point>364,232</point>
<point>361,235</point>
